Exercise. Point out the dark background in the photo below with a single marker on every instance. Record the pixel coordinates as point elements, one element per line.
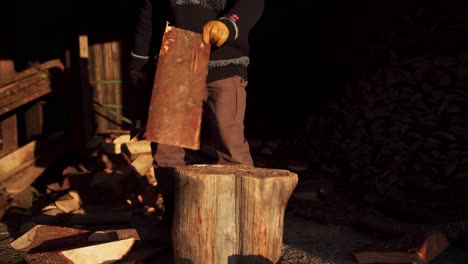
<point>302,53</point>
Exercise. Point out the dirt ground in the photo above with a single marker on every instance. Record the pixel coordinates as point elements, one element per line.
<point>305,240</point>
<point>313,243</point>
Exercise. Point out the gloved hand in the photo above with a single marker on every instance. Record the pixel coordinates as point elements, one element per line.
<point>215,32</point>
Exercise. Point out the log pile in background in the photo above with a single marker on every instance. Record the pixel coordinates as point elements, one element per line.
<point>402,130</point>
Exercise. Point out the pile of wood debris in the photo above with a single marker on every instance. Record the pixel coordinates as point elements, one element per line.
<point>102,207</point>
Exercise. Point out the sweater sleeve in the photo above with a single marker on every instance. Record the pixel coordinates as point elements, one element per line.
<point>242,17</point>
<point>143,35</point>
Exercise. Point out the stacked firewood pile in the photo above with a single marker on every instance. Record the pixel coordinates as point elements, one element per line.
<point>402,130</point>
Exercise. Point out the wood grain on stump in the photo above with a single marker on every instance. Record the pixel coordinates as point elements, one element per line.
<point>230,214</point>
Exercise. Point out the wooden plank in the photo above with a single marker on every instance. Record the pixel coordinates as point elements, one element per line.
<point>8,124</point>
<point>25,96</point>
<point>11,88</point>
<point>25,156</point>
<point>20,89</point>
<point>16,158</point>
<point>34,69</point>
<point>108,88</point>
<point>175,111</point>
<point>9,134</point>
<point>24,178</point>
<point>96,67</point>
<point>116,74</point>
<point>7,71</point>
<point>20,180</point>
<point>105,65</point>
<point>26,89</point>
<point>112,90</point>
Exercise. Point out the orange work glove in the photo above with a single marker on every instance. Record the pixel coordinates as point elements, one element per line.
<point>215,32</point>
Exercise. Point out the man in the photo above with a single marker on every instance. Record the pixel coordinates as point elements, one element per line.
<point>226,25</point>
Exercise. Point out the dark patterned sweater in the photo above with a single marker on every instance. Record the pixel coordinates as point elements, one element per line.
<point>228,60</point>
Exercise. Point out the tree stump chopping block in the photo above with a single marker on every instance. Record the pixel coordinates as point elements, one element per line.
<point>230,214</point>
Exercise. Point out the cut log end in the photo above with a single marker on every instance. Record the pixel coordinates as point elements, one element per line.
<point>205,169</point>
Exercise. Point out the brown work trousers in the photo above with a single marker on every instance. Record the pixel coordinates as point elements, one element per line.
<point>224,110</point>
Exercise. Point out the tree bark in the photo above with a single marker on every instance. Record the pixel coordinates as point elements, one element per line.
<point>230,214</point>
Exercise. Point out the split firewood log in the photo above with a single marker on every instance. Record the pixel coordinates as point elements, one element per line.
<point>100,253</point>
<point>49,237</point>
<point>420,248</point>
